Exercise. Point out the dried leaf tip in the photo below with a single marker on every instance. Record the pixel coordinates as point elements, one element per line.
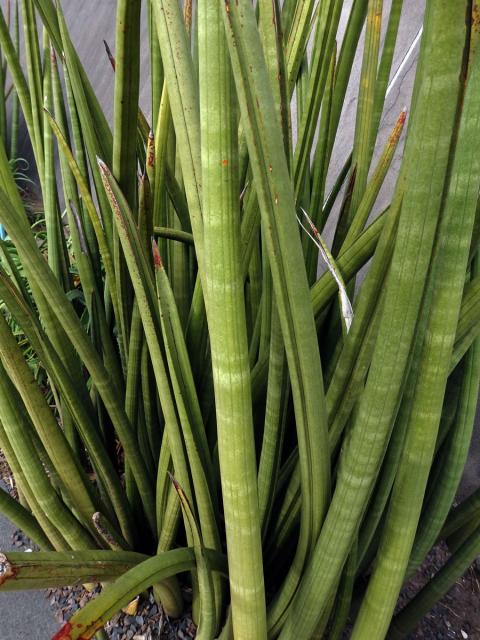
<point>182,495</point>
<point>109,54</point>
<point>132,607</point>
<point>314,235</point>
<point>243,191</point>
<point>102,166</point>
<point>176,485</point>
<point>157,261</point>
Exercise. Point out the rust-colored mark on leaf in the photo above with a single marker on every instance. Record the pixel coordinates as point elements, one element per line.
<point>157,258</point>
<point>64,633</point>
<point>7,570</point>
<point>187,14</point>
<point>270,168</point>
<point>67,631</point>
<point>150,149</point>
<point>105,174</point>
<point>398,128</point>
<point>476,17</point>
<point>224,162</point>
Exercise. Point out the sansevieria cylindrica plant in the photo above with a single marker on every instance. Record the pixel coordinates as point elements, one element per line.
<point>195,386</point>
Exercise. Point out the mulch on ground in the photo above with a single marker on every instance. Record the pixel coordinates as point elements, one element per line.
<point>147,622</point>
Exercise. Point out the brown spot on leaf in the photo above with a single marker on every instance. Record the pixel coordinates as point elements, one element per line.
<point>151,149</point>
<point>7,570</point>
<point>397,130</point>
<point>476,17</point>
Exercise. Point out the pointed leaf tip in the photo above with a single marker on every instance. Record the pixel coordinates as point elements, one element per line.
<point>102,166</point>
<point>173,481</point>
<point>183,498</point>
<point>314,235</point>
<point>109,54</point>
<point>398,128</point>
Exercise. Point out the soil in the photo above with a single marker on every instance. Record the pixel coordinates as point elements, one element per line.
<point>457,614</point>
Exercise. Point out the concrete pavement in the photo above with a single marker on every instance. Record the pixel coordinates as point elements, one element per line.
<point>24,615</point>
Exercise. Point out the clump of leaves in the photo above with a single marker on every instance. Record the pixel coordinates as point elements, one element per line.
<point>292,442</point>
